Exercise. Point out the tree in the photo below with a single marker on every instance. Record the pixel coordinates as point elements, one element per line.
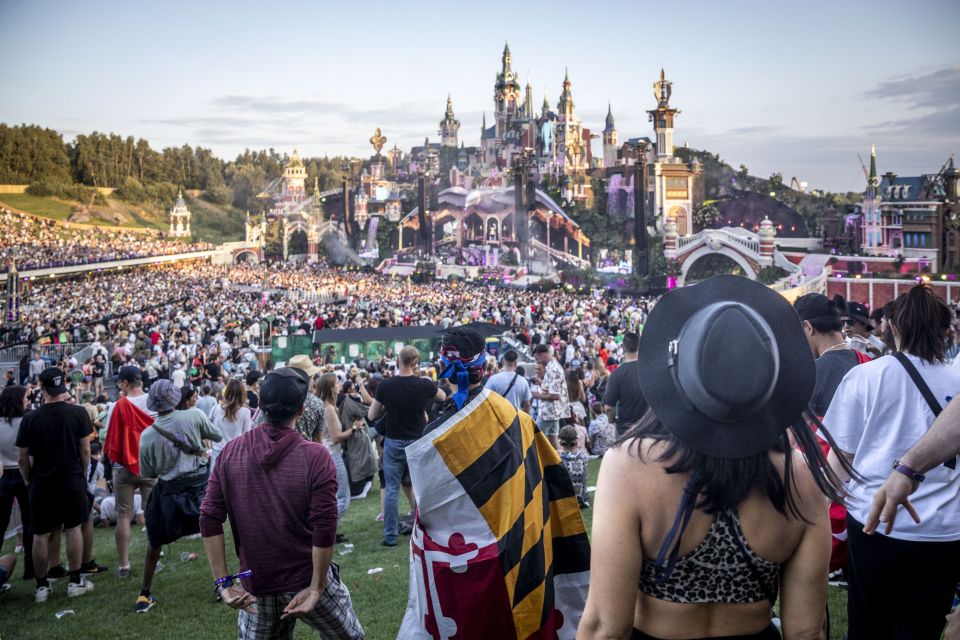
<point>706,214</point>
<point>776,181</point>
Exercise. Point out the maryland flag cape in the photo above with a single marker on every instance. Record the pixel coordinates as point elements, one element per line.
<point>499,548</point>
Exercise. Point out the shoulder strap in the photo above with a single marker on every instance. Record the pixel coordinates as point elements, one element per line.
<point>510,386</point>
<point>738,537</point>
<point>182,445</point>
<point>925,392</point>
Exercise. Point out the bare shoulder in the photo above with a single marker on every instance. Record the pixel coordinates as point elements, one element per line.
<point>633,458</point>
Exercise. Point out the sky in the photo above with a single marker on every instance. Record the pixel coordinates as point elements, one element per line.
<point>798,88</point>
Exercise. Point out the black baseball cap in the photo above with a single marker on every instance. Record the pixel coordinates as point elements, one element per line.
<point>859,313</point>
<point>283,392</point>
<point>130,373</point>
<point>814,306</point>
<point>53,381</point>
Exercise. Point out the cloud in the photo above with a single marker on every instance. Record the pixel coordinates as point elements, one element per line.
<point>936,93</point>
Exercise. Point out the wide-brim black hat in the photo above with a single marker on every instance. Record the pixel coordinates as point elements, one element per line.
<point>725,366</point>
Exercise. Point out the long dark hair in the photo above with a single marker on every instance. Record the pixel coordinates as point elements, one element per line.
<point>922,321</point>
<point>723,483</point>
<point>11,402</point>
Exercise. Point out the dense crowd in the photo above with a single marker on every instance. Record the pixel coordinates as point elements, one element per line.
<point>37,243</point>
<point>181,343</point>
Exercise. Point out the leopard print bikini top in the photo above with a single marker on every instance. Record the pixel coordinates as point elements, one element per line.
<point>722,569</point>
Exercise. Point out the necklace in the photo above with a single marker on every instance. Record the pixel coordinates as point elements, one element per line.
<point>839,345</point>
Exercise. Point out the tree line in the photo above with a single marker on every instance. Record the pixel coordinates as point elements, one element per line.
<point>40,157</point>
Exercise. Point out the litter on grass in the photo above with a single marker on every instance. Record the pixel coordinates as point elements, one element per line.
<point>375,570</point>
<point>65,612</point>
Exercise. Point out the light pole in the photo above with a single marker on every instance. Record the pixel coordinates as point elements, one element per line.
<point>641,251</point>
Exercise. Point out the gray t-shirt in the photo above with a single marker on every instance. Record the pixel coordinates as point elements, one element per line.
<point>623,392</point>
<point>9,453</point>
<point>519,392</point>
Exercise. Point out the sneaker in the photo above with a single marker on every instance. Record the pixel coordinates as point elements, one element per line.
<point>42,594</point>
<point>75,589</point>
<point>90,568</point>
<point>145,603</point>
<point>836,579</point>
<point>56,573</point>
<point>384,543</point>
<point>124,572</point>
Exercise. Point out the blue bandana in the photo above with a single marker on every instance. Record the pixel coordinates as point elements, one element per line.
<point>454,365</point>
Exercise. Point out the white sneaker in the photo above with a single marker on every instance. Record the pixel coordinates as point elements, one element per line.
<point>42,594</point>
<point>75,589</point>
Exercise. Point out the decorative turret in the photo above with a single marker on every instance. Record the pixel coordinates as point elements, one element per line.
<point>294,177</point>
<point>671,233</point>
<point>449,127</point>
<point>766,234</point>
<point>565,106</point>
<point>871,229</point>
<point>506,94</point>
<point>545,109</point>
<point>483,127</point>
<point>528,100</point>
<point>609,140</point>
<point>180,218</point>
<point>662,117</point>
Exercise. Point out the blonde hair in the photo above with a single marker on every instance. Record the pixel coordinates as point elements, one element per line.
<point>324,387</point>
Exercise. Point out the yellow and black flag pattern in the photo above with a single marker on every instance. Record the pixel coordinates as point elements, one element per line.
<point>491,488</point>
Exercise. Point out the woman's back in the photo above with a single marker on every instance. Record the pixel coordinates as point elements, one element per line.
<point>240,424</point>
<point>735,607</point>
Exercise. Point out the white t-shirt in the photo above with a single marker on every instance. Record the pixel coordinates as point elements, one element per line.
<point>178,377</point>
<point>231,428</point>
<point>877,414</point>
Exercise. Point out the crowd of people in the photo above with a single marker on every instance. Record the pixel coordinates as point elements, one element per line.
<point>38,243</point>
<point>720,398</point>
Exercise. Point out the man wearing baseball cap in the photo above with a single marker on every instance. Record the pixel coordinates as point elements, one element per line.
<point>280,493</point>
<point>54,450</point>
<point>172,450</point>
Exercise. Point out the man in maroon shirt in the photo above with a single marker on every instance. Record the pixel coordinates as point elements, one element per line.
<point>280,493</point>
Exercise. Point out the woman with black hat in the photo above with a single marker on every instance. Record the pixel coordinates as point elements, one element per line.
<point>703,505</point>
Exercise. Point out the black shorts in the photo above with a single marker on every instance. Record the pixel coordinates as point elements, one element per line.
<point>59,502</point>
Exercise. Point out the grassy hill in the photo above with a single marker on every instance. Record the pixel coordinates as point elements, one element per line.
<point>210,222</point>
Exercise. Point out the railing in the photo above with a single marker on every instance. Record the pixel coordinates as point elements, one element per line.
<point>568,257</point>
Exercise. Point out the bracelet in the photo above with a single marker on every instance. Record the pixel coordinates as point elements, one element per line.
<point>911,473</point>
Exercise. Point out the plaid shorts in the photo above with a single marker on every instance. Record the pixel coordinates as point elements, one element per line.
<point>333,616</point>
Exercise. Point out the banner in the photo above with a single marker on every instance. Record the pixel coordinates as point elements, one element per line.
<point>499,549</point>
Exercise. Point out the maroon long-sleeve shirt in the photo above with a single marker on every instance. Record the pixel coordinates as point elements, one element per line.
<point>281,493</point>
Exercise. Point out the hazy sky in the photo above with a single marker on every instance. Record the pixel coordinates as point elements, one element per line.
<point>799,88</point>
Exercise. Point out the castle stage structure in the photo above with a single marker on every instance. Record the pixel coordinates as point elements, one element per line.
<point>480,227</point>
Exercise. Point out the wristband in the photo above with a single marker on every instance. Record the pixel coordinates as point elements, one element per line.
<point>911,473</point>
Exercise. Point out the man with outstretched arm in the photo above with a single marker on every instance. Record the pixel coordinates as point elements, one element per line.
<point>280,493</point>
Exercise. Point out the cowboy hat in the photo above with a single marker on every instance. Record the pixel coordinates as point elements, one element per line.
<point>305,364</point>
<point>725,366</point>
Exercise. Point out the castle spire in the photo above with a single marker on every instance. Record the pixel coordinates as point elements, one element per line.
<point>873,181</point>
<point>483,127</point>
<point>449,107</point>
<point>610,126</point>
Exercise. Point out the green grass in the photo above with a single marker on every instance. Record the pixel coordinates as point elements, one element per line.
<point>38,205</point>
<point>187,609</point>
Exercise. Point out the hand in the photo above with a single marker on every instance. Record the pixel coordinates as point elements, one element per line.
<point>236,597</point>
<point>888,497</point>
<point>303,602</point>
